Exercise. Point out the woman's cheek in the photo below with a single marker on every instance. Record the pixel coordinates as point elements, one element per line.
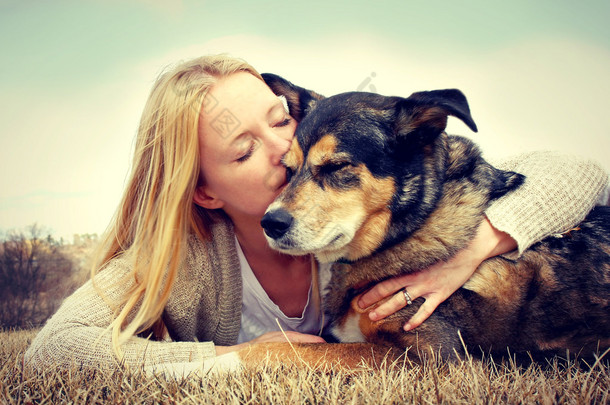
<point>274,178</point>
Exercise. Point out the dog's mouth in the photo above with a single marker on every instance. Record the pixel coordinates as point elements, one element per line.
<point>326,248</point>
<point>312,228</point>
<point>287,243</point>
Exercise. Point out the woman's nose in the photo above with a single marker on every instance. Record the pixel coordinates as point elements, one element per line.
<point>279,146</point>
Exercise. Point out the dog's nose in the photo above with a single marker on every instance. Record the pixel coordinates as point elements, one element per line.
<point>276,223</point>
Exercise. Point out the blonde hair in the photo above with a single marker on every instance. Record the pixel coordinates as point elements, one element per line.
<point>156,215</point>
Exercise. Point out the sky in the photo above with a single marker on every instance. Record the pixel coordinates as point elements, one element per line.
<point>75,76</point>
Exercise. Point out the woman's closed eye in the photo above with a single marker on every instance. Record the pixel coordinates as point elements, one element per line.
<point>248,153</point>
<point>286,121</point>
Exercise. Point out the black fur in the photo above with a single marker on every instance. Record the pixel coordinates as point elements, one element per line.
<point>555,297</point>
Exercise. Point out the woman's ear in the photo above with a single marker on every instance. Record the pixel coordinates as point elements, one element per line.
<point>203,199</point>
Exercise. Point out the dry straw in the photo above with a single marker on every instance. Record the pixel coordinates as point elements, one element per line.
<point>471,381</point>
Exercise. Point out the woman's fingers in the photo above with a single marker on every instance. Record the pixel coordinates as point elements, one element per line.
<point>425,310</point>
<point>382,290</point>
<point>399,301</point>
<point>395,303</point>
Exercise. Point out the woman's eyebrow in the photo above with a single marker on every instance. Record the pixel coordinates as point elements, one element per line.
<point>239,138</point>
<point>275,106</point>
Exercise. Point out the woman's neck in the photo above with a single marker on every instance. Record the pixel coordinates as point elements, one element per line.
<point>252,239</point>
<point>286,279</point>
<point>253,242</point>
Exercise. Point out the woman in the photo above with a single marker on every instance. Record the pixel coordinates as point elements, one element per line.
<point>187,232</point>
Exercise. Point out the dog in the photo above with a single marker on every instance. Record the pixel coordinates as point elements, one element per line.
<point>377,187</point>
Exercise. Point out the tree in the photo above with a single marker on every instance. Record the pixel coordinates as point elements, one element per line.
<point>32,268</point>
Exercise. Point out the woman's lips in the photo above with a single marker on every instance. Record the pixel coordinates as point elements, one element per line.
<point>277,180</point>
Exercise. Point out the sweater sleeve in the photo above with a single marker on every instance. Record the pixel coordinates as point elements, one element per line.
<point>78,334</point>
<point>559,191</point>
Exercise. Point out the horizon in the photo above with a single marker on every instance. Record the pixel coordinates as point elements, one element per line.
<point>76,76</point>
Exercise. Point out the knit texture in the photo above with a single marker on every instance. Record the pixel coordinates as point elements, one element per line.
<point>559,191</point>
<point>204,307</point>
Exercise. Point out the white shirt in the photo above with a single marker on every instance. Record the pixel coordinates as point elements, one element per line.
<point>259,313</point>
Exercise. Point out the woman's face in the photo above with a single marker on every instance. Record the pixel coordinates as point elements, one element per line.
<point>244,131</point>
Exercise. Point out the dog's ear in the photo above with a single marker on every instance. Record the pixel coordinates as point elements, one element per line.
<point>300,100</point>
<point>503,182</point>
<point>423,116</point>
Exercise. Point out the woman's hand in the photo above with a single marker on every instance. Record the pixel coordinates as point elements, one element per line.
<point>439,281</point>
<point>294,337</point>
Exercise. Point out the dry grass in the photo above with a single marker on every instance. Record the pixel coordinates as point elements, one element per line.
<point>467,382</point>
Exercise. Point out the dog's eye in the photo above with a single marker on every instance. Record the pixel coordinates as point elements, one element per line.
<point>289,173</point>
<point>334,167</point>
<point>337,174</point>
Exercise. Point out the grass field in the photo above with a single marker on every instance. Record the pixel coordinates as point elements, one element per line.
<point>468,382</point>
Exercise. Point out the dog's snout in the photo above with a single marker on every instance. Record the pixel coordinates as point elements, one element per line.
<point>276,223</point>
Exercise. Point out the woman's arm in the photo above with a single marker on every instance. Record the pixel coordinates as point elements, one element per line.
<point>439,281</point>
<point>278,336</point>
<point>78,334</point>
<point>558,193</point>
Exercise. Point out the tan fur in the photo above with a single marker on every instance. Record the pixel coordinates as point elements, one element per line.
<point>554,344</point>
<point>294,156</point>
<point>606,249</point>
<point>324,356</point>
<point>319,207</point>
<point>368,328</point>
<point>435,116</point>
<point>375,194</point>
<point>423,243</point>
<point>496,280</point>
<point>322,152</point>
<point>428,209</point>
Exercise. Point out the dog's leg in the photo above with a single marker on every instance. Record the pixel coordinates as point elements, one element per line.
<point>322,356</point>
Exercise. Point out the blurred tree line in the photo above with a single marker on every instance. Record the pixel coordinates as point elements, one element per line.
<point>36,273</point>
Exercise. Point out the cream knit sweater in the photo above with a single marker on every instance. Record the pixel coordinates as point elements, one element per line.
<point>204,307</point>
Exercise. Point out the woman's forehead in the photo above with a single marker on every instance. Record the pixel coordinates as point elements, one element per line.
<point>240,86</point>
<point>236,103</point>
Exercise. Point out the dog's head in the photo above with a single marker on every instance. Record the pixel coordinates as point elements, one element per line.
<point>357,161</point>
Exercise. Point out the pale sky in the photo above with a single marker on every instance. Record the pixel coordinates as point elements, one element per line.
<point>75,76</point>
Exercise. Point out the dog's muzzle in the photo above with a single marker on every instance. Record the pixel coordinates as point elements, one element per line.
<point>276,223</point>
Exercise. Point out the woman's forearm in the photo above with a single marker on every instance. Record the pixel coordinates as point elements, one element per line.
<point>558,192</point>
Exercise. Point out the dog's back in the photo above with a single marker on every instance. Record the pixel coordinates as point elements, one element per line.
<point>566,303</point>
<point>380,187</point>
<point>555,298</point>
